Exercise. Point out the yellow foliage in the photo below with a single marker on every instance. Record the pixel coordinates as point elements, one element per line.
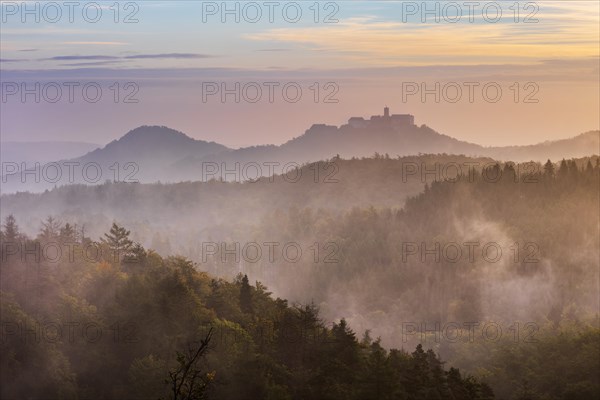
<point>103,266</point>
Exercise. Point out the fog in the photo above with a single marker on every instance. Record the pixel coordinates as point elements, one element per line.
<point>366,255</point>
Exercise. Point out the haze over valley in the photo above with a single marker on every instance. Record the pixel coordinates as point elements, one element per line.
<point>353,200</point>
<point>150,154</point>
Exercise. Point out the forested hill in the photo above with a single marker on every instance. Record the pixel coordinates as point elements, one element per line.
<point>144,327</point>
<point>386,268</point>
<point>190,208</point>
<point>199,209</point>
<point>151,154</point>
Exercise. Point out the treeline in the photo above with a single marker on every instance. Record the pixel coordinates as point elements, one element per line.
<point>189,211</point>
<point>129,324</point>
<point>544,219</point>
<point>546,276</point>
<point>173,218</point>
<point>541,236</point>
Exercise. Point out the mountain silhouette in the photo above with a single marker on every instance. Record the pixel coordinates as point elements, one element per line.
<point>153,148</point>
<point>159,153</point>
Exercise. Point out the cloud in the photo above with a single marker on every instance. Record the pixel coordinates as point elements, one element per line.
<point>75,58</point>
<point>576,70</point>
<point>103,59</point>
<point>90,64</point>
<point>170,55</point>
<point>372,41</point>
<point>98,43</point>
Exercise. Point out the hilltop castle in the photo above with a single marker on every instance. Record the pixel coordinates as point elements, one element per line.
<point>385,120</point>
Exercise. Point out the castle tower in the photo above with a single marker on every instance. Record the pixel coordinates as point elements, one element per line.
<point>386,112</point>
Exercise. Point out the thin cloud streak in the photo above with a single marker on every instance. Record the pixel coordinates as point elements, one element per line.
<point>97,43</point>
<point>170,55</point>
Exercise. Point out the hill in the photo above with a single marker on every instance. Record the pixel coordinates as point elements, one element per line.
<point>496,269</point>
<point>151,154</point>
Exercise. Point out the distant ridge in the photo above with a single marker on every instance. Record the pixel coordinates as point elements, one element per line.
<point>154,149</point>
<point>167,155</point>
<point>582,145</point>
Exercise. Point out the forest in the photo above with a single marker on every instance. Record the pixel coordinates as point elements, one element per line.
<point>110,317</point>
<point>140,326</point>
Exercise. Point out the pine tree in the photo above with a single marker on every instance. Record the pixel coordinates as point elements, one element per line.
<point>11,229</point>
<point>246,296</point>
<point>549,169</point>
<point>50,230</point>
<point>589,169</point>
<point>563,170</point>
<point>117,240</point>
<point>573,170</point>
<point>509,174</point>
<point>67,233</point>
<point>419,381</point>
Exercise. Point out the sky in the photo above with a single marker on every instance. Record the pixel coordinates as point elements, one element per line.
<point>247,73</point>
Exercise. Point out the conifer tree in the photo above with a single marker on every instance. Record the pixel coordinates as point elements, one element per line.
<point>50,229</point>
<point>117,240</point>
<point>11,229</point>
<point>246,296</point>
<point>549,169</point>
